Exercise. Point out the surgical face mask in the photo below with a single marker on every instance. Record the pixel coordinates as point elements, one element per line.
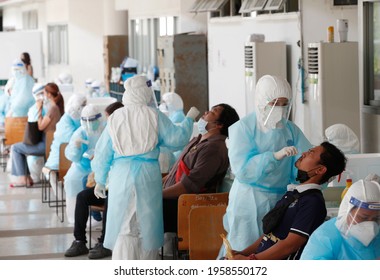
<point>303,176</point>
<point>46,102</point>
<point>365,232</point>
<point>39,97</point>
<point>94,125</point>
<point>274,116</point>
<point>202,126</point>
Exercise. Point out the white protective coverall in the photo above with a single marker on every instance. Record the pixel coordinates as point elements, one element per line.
<point>127,153</point>
<point>343,137</point>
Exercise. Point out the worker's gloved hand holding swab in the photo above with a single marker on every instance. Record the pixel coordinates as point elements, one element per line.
<point>193,113</point>
<point>79,142</point>
<point>285,152</point>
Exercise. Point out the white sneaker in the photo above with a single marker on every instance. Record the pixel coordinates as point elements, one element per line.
<point>168,244</point>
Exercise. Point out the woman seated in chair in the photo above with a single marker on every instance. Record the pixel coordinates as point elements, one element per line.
<point>54,106</point>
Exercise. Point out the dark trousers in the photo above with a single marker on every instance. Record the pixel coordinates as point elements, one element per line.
<point>84,199</point>
<point>170,211</point>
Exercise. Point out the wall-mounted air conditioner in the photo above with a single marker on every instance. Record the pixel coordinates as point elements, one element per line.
<point>333,88</point>
<point>262,58</point>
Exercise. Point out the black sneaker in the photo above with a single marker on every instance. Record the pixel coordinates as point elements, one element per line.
<point>78,248</point>
<point>99,252</point>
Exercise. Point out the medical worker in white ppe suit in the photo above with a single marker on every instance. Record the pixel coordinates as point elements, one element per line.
<point>80,151</point>
<point>127,153</point>
<point>262,149</point>
<point>354,233</point>
<point>343,137</point>
<point>172,106</point>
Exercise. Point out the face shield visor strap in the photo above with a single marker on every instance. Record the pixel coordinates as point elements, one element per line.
<point>287,113</point>
<point>364,205</point>
<point>359,205</point>
<point>87,122</point>
<point>270,112</point>
<point>92,118</point>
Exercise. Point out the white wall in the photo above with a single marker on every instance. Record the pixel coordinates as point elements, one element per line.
<point>191,22</point>
<point>226,38</point>
<point>13,44</point>
<point>149,8</point>
<point>88,21</point>
<point>114,22</point>
<point>317,15</point>
<point>12,17</point>
<point>320,14</point>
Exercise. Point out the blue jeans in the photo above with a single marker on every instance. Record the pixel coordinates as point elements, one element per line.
<point>19,153</point>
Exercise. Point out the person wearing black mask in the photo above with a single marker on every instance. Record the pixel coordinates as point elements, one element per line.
<point>300,211</point>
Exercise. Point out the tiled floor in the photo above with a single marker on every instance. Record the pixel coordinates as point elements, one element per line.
<point>30,229</point>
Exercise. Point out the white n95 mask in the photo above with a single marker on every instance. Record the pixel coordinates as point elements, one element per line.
<point>202,126</point>
<point>274,116</point>
<point>365,232</point>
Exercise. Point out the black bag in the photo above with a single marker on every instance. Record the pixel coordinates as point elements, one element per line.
<point>32,135</point>
<point>274,216</point>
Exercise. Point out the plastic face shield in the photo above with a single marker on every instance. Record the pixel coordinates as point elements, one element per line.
<point>39,96</point>
<point>364,211</point>
<point>91,124</point>
<point>153,101</point>
<point>275,111</point>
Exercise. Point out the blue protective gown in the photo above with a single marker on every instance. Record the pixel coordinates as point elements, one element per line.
<point>176,117</point>
<point>22,98</point>
<point>81,166</point>
<point>260,179</point>
<point>328,243</point>
<point>63,132</point>
<point>4,99</point>
<point>140,173</point>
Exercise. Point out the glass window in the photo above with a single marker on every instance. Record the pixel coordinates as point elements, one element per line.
<point>144,34</point>
<point>30,20</point>
<point>58,44</point>
<point>371,55</point>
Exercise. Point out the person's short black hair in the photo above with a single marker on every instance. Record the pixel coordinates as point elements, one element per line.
<point>333,159</point>
<point>112,107</point>
<point>227,117</point>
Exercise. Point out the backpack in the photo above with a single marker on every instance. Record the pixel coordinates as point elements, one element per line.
<point>274,216</point>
